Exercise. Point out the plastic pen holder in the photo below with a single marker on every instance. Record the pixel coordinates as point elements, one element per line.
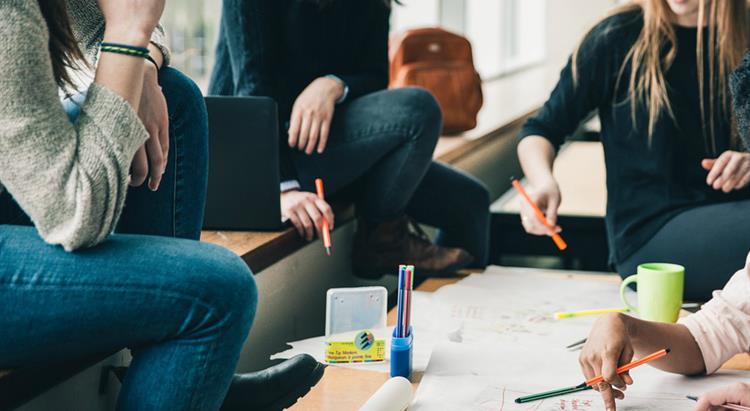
<point>401,355</point>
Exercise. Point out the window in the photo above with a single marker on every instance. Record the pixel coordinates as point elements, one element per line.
<point>506,35</point>
<point>415,13</point>
<point>191,27</point>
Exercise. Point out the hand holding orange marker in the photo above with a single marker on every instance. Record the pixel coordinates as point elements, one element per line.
<point>559,242</point>
<point>630,366</point>
<point>325,230</point>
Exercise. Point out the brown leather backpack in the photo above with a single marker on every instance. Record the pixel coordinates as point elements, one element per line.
<point>441,62</point>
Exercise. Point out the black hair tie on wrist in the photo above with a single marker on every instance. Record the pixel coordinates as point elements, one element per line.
<point>151,59</point>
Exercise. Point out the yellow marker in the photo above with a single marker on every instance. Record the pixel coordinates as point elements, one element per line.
<point>572,314</point>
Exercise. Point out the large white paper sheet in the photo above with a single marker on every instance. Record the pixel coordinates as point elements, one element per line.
<point>515,305</point>
<point>483,377</point>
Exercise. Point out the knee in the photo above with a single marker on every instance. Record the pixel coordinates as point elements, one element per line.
<point>475,201</point>
<point>420,106</point>
<point>174,82</point>
<point>479,195</point>
<point>471,193</point>
<point>228,285</point>
<point>184,98</point>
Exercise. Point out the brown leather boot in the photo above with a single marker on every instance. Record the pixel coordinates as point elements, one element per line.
<point>402,241</point>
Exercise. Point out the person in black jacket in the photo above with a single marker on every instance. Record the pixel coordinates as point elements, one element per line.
<point>326,64</point>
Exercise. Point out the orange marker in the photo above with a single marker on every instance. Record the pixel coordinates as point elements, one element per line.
<point>326,230</point>
<point>630,366</point>
<point>559,242</point>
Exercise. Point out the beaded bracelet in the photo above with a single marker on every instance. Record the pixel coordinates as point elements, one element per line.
<point>125,49</point>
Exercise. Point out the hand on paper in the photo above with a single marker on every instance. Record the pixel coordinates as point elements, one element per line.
<point>312,114</point>
<point>608,346</point>
<point>736,394</point>
<point>730,171</point>
<point>306,211</point>
<point>151,159</point>
<point>547,197</point>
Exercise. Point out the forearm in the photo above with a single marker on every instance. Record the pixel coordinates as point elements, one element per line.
<point>537,156</point>
<point>88,27</point>
<point>120,73</point>
<point>685,356</point>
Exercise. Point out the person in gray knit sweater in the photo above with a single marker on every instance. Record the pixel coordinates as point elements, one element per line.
<point>112,160</point>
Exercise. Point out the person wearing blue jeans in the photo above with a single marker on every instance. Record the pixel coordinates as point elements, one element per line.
<point>325,62</point>
<point>183,307</point>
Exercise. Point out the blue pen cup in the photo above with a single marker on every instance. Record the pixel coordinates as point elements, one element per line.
<point>401,355</point>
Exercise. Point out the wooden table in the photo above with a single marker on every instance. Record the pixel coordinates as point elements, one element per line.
<point>344,389</point>
<point>581,173</point>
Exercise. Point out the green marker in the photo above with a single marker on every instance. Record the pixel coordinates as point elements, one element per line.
<point>553,393</point>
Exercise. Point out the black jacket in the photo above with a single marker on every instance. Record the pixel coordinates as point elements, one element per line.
<point>276,48</point>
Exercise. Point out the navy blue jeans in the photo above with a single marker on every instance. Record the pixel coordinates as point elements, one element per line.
<point>380,147</point>
<point>183,307</point>
<point>176,208</point>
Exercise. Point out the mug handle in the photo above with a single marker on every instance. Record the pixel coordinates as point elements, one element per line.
<point>632,279</point>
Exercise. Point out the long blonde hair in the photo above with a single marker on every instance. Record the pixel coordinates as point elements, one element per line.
<point>655,49</point>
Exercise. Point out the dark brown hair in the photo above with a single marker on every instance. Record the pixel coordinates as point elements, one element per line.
<point>63,48</point>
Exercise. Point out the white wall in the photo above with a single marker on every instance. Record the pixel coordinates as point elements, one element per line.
<point>567,22</point>
<point>415,13</point>
<point>552,28</point>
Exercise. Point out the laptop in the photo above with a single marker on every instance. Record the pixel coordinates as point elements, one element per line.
<point>243,164</point>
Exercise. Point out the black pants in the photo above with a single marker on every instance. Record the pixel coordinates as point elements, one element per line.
<point>380,147</point>
<point>711,242</point>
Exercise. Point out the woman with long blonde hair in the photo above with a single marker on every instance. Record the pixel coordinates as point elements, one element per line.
<point>657,71</point>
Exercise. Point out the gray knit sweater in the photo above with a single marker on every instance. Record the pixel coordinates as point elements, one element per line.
<point>87,22</point>
<point>71,179</point>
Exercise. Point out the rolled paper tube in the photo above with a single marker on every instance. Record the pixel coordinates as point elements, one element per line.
<point>394,395</point>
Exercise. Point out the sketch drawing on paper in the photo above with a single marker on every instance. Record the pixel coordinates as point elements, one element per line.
<point>489,377</point>
<point>495,398</point>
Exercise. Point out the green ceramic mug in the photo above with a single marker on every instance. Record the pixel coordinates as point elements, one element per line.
<point>660,287</point>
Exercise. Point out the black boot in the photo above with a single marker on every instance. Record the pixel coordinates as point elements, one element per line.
<point>274,388</point>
